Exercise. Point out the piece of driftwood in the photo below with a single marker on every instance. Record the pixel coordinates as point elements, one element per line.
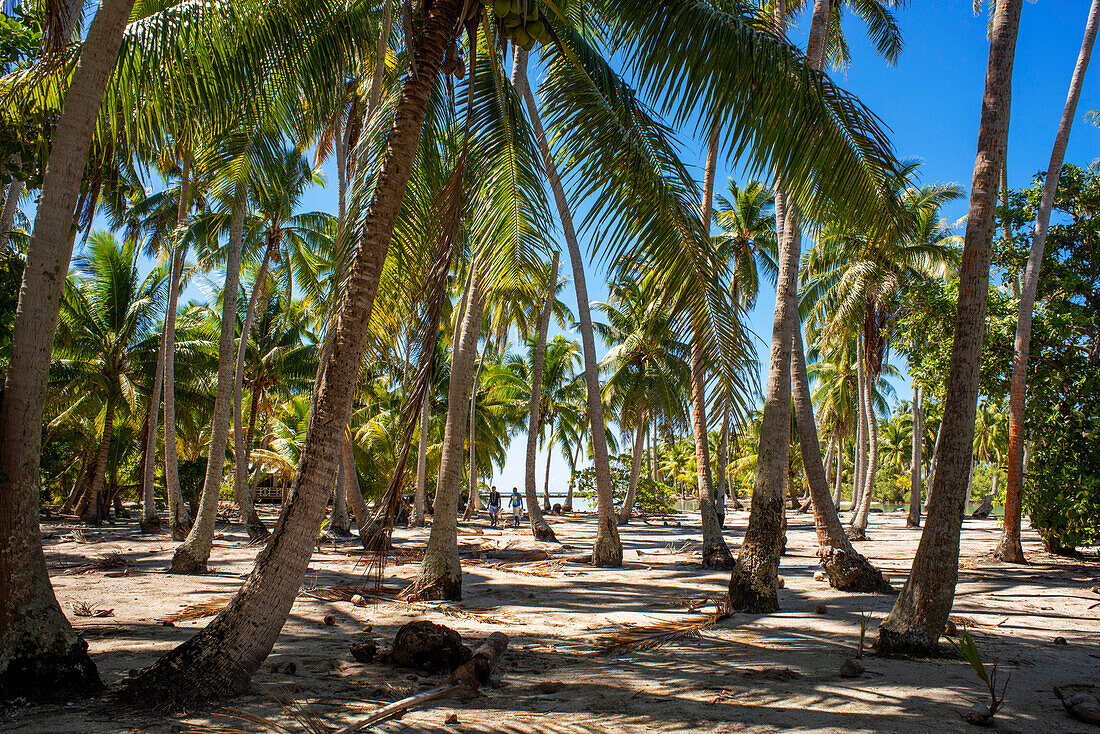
<point>465,680</point>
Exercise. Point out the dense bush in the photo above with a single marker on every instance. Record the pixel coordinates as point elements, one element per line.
<point>651,496</point>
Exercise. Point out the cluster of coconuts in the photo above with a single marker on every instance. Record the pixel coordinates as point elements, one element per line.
<point>519,21</point>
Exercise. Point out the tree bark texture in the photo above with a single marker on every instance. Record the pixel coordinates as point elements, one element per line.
<point>916,464</point>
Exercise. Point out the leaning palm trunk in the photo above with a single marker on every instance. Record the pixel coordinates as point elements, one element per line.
<point>715,552</point>
<point>220,660</point>
<point>474,503</point>
<point>859,451</point>
<point>838,479</point>
<point>191,556</point>
<point>931,473</point>
<point>353,495</point>
<point>178,519</point>
<point>635,473</point>
<point>913,520</point>
<point>1009,549</point>
<point>338,522</point>
<point>242,444</point>
<point>846,568</point>
<point>918,617</point>
<point>540,529</point>
<point>420,499</point>
<point>607,549</point>
<point>858,530</point>
<point>150,520</point>
<point>440,574</point>
<point>41,653</point>
<point>95,507</point>
<point>754,583</point>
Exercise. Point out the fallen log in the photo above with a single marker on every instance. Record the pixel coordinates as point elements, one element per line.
<point>464,681</point>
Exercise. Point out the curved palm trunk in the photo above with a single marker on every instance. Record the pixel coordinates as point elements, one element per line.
<point>150,520</point>
<point>913,520</point>
<point>42,653</point>
<point>338,523</point>
<point>546,473</point>
<point>1009,548</point>
<point>607,549</point>
<point>863,513</point>
<point>635,472</point>
<point>723,465</point>
<point>568,506</point>
<point>93,511</point>
<point>754,583</point>
<point>353,494</point>
<point>178,519</point>
<point>846,568</point>
<point>716,554</point>
<point>191,556</point>
<point>540,529</point>
<point>242,444</point>
<point>931,473</point>
<point>420,500</point>
<point>838,478</point>
<point>440,574</point>
<point>918,617</point>
<point>220,660</point>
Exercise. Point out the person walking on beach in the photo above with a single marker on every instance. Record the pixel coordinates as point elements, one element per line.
<point>517,506</point>
<point>494,507</point>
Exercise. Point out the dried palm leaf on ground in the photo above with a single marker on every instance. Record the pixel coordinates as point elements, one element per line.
<point>447,609</point>
<point>239,721</point>
<point>198,611</point>
<point>106,562</point>
<point>633,638</point>
<point>546,569</point>
<point>83,609</point>
<point>81,537</point>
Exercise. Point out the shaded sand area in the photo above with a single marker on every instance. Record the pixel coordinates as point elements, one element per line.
<point>747,673</point>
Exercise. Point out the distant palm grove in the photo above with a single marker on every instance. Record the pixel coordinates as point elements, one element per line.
<point>186,346</point>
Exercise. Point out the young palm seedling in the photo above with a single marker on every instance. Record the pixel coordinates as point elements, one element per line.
<point>981,714</point>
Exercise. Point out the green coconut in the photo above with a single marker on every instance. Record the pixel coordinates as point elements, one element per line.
<point>521,37</point>
<point>502,7</point>
<point>512,21</point>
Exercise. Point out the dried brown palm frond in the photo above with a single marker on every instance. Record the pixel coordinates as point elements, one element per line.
<point>106,562</point>
<point>302,719</point>
<point>83,609</point>
<point>200,610</point>
<point>546,569</point>
<point>636,639</point>
<point>81,537</point>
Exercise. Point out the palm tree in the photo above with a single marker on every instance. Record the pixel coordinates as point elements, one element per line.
<point>1009,549</point>
<point>102,341</point>
<point>990,442</point>
<point>645,367</point>
<point>920,612</point>
<point>41,649</point>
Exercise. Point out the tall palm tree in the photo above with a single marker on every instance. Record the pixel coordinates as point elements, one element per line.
<point>41,649</point>
<point>645,370</point>
<point>1009,549</point>
<point>920,612</point>
<point>103,336</point>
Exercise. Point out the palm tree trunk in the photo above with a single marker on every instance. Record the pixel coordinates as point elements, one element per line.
<point>931,473</point>
<point>754,583</point>
<point>838,479</point>
<point>474,503</point>
<point>420,501</point>
<point>242,449</point>
<point>568,506</point>
<point>93,512</point>
<point>918,617</point>
<point>150,520</point>
<point>635,472</point>
<point>178,519</point>
<point>7,214</point>
<point>723,463</point>
<point>546,474</point>
<point>846,568</point>
<point>716,554</point>
<point>440,574</point>
<point>859,522</point>
<point>1009,549</point>
<point>354,495</point>
<point>220,660</point>
<point>913,520</point>
<point>192,555</point>
<point>607,549</point>
<point>540,529</point>
<point>859,451</point>
<point>339,525</point>
<point>42,653</point>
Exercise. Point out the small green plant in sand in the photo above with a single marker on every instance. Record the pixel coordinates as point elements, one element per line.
<point>981,714</point>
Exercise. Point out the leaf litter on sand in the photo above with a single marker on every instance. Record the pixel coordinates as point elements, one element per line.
<point>633,638</point>
<point>447,609</point>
